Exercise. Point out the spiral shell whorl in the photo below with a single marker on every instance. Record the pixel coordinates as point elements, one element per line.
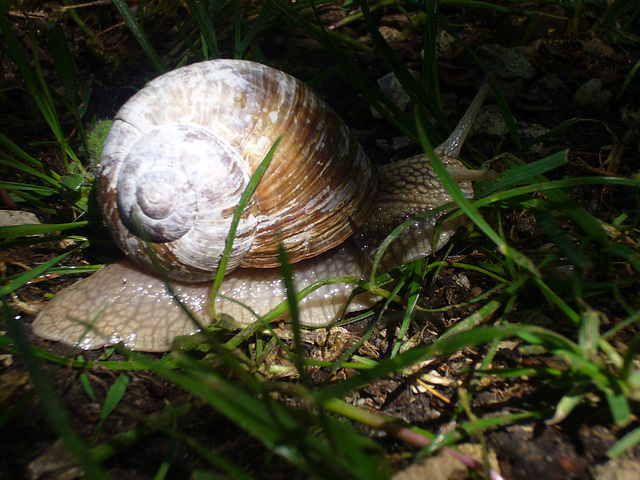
<point>198,131</point>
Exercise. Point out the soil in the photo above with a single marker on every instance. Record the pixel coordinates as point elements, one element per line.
<point>561,59</point>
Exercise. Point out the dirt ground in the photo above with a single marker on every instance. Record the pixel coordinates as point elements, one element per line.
<point>547,64</point>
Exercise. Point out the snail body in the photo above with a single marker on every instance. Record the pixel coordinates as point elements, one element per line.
<point>171,176</point>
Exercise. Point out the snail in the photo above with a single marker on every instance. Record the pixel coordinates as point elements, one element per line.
<point>172,169</point>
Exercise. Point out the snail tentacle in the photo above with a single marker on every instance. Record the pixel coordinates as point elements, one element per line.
<point>453,144</point>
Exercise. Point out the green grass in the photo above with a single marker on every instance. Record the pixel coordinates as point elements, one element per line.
<point>227,371</point>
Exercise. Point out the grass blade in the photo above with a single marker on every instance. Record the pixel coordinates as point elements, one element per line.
<point>49,400</point>
<point>139,35</point>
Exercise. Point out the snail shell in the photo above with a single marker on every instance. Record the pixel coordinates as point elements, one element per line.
<point>199,130</point>
<point>181,152</point>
